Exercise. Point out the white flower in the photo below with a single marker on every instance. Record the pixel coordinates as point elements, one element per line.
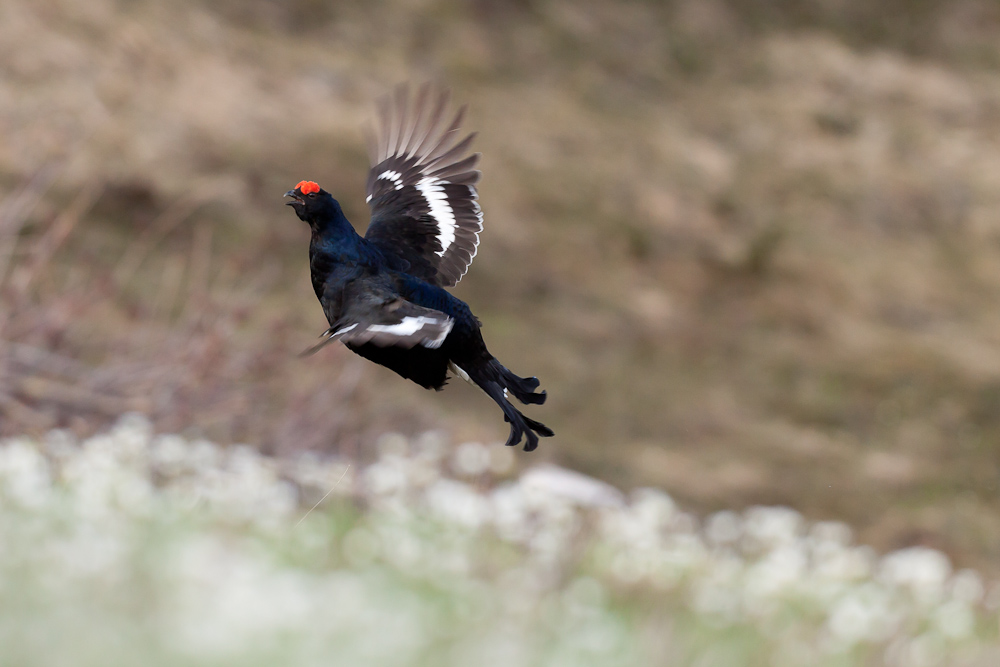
<point>766,528</point>
<point>920,570</point>
<point>955,619</point>
<point>683,553</point>
<point>224,599</point>
<point>842,564</point>
<point>511,515</point>
<point>864,613</point>
<point>24,473</point>
<point>644,524</point>
<point>723,528</point>
<point>60,444</point>
<point>716,593</point>
<point>653,508</point>
<point>549,482</point>
<point>776,573</point>
<point>387,477</point>
<point>458,503</point>
<point>204,455</point>
<point>967,586</point>
<point>471,459</point>
<point>130,438</point>
<point>830,533</point>
<point>105,479</point>
<point>169,454</point>
<point>321,477</point>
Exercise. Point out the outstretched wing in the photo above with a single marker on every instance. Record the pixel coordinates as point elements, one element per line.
<point>421,189</point>
<point>373,314</point>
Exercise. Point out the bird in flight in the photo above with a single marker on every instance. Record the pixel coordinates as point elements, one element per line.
<point>383,294</point>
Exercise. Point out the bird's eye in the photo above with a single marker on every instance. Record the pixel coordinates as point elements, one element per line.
<point>312,195</point>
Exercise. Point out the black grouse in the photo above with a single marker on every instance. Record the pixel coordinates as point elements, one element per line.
<point>383,293</point>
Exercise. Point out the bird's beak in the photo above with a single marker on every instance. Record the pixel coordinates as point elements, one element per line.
<point>296,198</point>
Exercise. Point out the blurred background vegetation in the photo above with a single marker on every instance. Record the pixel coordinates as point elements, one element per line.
<point>751,247</point>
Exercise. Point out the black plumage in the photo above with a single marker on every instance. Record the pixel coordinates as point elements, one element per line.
<point>383,294</point>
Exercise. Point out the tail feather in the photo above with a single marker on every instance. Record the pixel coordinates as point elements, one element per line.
<point>496,380</point>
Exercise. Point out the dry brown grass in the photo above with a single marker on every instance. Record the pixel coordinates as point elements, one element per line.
<point>751,248</point>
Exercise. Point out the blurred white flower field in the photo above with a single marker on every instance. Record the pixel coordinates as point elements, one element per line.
<point>133,548</point>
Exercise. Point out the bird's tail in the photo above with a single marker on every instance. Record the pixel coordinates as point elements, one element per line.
<point>497,381</point>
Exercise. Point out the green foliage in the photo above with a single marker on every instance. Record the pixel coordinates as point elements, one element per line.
<point>129,548</point>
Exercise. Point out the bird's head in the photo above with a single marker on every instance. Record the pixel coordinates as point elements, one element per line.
<point>312,203</point>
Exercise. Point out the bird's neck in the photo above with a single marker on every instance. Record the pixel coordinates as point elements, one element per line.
<point>333,234</point>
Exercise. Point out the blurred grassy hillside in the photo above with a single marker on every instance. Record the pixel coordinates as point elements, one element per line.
<point>751,248</point>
